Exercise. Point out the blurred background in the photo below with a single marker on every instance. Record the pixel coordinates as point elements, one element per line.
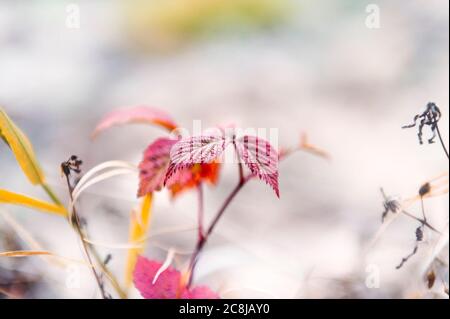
<point>300,66</point>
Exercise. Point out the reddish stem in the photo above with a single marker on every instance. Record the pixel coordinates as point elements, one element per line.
<point>200,211</point>
<point>205,235</point>
<point>203,239</point>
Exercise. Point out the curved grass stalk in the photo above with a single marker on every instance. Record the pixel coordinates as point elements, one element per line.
<point>169,230</point>
<point>102,177</point>
<point>91,178</point>
<point>114,168</point>
<point>100,167</point>
<point>110,245</point>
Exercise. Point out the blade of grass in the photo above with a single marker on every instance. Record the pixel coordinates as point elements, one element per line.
<point>8,197</point>
<point>21,148</point>
<point>139,226</point>
<point>24,253</point>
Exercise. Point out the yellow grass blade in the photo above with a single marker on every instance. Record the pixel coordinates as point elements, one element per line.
<point>21,148</point>
<point>25,253</point>
<point>8,197</point>
<point>139,226</point>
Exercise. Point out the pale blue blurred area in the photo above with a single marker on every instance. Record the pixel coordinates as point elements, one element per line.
<point>320,70</point>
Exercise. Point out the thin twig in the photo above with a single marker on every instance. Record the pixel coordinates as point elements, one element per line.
<point>405,259</point>
<point>76,223</point>
<point>202,241</point>
<point>200,210</point>
<point>422,206</point>
<point>51,194</point>
<point>441,140</point>
<point>424,222</point>
<point>419,236</point>
<point>240,166</point>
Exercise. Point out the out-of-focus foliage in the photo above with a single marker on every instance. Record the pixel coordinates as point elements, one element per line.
<point>167,24</point>
<point>133,115</point>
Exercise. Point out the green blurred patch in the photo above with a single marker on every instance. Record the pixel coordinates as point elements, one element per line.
<point>171,23</point>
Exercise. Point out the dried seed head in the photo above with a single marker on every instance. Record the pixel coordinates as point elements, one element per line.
<point>73,164</point>
<point>424,189</point>
<point>419,233</point>
<point>431,279</point>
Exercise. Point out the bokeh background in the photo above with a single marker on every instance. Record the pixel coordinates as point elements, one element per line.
<point>299,66</point>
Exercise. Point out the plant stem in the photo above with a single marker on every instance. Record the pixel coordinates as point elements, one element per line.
<point>76,225</point>
<point>225,206</point>
<point>200,211</point>
<point>203,239</point>
<point>240,166</point>
<point>93,251</point>
<point>422,221</point>
<point>51,194</point>
<point>442,141</point>
<point>106,271</point>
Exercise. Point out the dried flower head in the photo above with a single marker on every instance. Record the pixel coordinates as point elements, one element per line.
<point>73,164</point>
<point>429,117</point>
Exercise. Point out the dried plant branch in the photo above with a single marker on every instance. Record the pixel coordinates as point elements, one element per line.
<point>429,117</point>
<point>441,140</point>
<point>75,222</point>
<point>419,238</point>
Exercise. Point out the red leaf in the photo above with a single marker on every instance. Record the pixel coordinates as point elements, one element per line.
<point>195,150</point>
<point>153,168</point>
<point>191,177</point>
<point>154,165</point>
<point>138,114</point>
<point>166,285</point>
<point>261,158</point>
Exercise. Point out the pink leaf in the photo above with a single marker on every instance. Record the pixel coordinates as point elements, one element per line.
<point>166,285</point>
<point>195,150</point>
<point>153,168</point>
<point>261,158</point>
<point>138,114</point>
